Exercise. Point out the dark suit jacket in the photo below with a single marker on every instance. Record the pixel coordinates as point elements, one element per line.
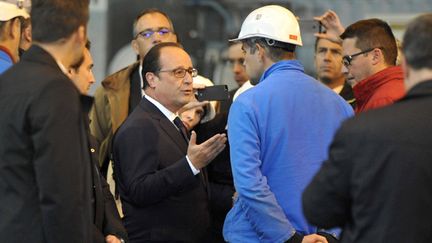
<point>45,172</point>
<point>226,104</point>
<point>219,174</point>
<point>377,183</point>
<point>348,95</point>
<point>162,199</point>
<point>106,218</point>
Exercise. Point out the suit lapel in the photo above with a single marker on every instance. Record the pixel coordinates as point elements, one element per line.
<point>166,125</point>
<point>172,132</point>
<point>169,128</point>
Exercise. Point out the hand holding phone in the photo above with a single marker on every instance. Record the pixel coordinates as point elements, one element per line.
<point>310,26</point>
<point>216,92</point>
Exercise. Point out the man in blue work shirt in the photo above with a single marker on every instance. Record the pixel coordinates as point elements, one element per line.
<point>281,130</point>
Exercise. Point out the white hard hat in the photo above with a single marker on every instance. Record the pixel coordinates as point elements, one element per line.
<point>10,10</point>
<point>271,22</point>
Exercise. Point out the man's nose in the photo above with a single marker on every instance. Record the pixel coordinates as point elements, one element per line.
<point>156,38</point>
<point>327,55</point>
<point>188,78</point>
<point>237,67</point>
<point>92,78</point>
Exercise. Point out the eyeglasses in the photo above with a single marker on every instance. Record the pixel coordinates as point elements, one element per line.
<point>348,58</point>
<point>181,72</point>
<point>162,32</point>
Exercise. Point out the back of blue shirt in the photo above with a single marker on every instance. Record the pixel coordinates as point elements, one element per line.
<point>279,133</point>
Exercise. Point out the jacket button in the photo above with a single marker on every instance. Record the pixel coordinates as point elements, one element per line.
<point>92,150</point>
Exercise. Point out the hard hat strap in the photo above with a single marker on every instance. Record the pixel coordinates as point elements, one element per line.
<point>278,44</point>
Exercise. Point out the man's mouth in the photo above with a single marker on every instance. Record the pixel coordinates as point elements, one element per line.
<point>188,92</point>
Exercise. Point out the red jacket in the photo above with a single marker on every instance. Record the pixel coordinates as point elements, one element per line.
<point>381,89</point>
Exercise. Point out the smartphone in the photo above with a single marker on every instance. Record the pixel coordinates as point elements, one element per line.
<point>310,26</point>
<point>216,92</point>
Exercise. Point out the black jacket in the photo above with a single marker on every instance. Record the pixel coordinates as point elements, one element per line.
<point>219,174</point>
<point>45,169</point>
<point>162,199</point>
<point>348,95</point>
<point>377,182</point>
<point>106,218</point>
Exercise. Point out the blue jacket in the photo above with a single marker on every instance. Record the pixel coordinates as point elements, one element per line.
<point>5,61</point>
<point>279,134</point>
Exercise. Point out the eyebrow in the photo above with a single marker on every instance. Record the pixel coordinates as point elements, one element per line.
<point>155,29</point>
<point>331,49</point>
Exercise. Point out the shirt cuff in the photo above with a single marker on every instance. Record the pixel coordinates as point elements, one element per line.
<point>194,170</point>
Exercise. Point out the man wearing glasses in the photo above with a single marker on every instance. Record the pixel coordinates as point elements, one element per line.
<point>370,52</point>
<point>122,91</point>
<point>157,166</point>
<point>382,193</point>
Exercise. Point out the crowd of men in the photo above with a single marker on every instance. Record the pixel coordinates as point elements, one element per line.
<point>344,157</point>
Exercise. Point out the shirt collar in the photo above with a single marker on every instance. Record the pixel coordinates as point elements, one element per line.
<point>282,65</point>
<point>170,115</point>
<point>141,80</point>
<point>338,89</point>
<point>7,54</point>
<point>62,67</point>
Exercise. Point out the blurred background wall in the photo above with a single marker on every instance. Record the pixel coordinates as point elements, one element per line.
<point>204,26</point>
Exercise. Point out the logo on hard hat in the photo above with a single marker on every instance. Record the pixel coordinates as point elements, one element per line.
<point>258,16</point>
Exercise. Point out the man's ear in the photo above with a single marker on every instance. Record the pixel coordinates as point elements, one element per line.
<point>261,52</point>
<point>134,44</point>
<point>70,73</point>
<point>176,38</point>
<point>377,56</point>
<point>15,28</point>
<point>28,34</point>
<point>82,34</point>
<point>151,79</point>
<point>404,65</point>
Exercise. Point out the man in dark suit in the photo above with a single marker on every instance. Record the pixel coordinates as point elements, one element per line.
<point>377,182</point>
<point>107,223</point>
<point>159,172</point>
<point>45,170</point>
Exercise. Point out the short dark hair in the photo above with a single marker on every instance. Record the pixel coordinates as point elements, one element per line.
<point>151,60</point>
<point>417,45</point>
<point>151,11</point>
<point>53,20</point>
<point>232,37</point>
<point>276,50</point>
<point>77,65</point>
<point>373,33</point>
